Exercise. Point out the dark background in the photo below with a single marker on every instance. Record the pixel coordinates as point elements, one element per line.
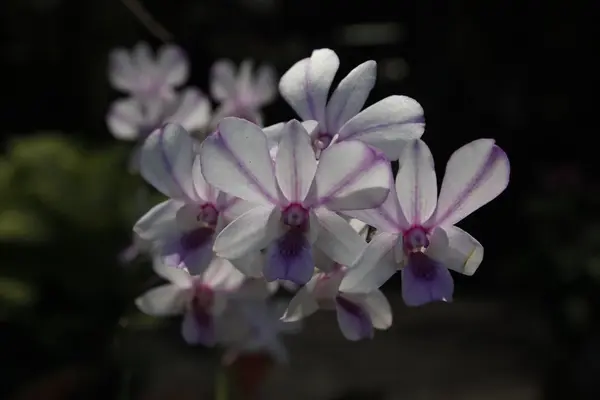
<point>509,70</point>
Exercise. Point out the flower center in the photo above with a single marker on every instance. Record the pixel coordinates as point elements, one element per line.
<point>203,297</point>
<point>208,215</point>
<point>415,240</point>
<point>295,216</point>
<point>322,141</point>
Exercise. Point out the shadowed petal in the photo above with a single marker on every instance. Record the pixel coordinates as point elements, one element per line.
<point>198,329</point>
<point>337,239</point>
<point>475,174</point>
<point>386,125</point>
<point>159,223</point>
<point>461,253</point>
<point>354,321</point>
<point>125,119</point>
<point>165,300</point>
<point>192,110</point>
<point>222,80</point>
<point>303,303</point>
<point>173,65</point>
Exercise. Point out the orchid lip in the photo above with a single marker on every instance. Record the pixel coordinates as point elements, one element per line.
<point>416,239</point>
<point>295,215</point>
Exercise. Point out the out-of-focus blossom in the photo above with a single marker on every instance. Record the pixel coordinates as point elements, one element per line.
<point>386,125</point>
<point>254,326</point>
<point>132,119</point>
<point>199,298</point>
<point>244,93</point>
<point>146,76</point>
<point>297,197</point>
<point>416,229</point>
<point>182,229</point>
<point>357,313</point>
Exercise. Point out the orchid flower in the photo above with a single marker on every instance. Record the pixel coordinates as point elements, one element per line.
<point>254,326</point>
<point>297,197</point>
<point>199,298</point>
<point>131,119</point>
<point>416,228</point>
<point>182,229</point>
<point>241,95</point>
<point>386,125</point>
<point>357,313</point>
<point>146,77</point>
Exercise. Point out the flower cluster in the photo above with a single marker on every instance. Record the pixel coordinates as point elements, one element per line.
<point>252,207</point>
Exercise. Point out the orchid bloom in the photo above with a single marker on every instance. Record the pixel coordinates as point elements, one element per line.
<point>199,298</point>
<point>132,119</point>
<point>357,313</point>
<point>242,95</point>
<point>182,229</point>
<point>145,76</point>
<point>416,228</point>
<point>254,326</point>
<point>386,125</point>
<point>297,197</point>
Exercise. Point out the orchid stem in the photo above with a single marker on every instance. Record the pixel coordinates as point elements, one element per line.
<point>144,16</point>
<point>222,390</point>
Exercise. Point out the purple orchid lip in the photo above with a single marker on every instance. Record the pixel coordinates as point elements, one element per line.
<point>196,238</point>
<point>362,319</point>
<point>421,266</point>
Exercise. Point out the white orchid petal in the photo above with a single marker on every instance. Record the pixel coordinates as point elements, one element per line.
<point>379,309</point>
<point>125,119</point>
<point>162,301</point>
<point>305,86</point>
<point>295,165</point>
<point>461,253</point>
<point>303,303</point>
<point>166,161</point>
<point>236,160</point>
<point>178,276</point>
<point>475,174</point>
<point>386,125</point>
<point>222,80</point>
<point>173,65</point>
<point>416,184</point>
<point>352,176</point>
<point>375,266</point>
<point>350,95</point>
<point>192,110</point>
<point>249,233</point>
<point>337,239</point>
<point>159,222</point>
<point>222,275</point>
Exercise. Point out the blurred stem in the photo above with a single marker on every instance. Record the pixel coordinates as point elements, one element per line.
<point>144,16</point>
<point>222,382</point>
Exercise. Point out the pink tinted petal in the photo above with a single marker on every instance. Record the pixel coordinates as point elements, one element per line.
<point>236,160</point>
<point>305,86</point>
<point>222,80</point>
<point>222,275</point>
<point>425,280</point>
<point>386,125</point>
<point>173,65</point>
<point>354,321</point>
<point>295,165</point>
<point>166,162</point>
<point>290,258</point>
<point>198,329</point>
<point>475,175</point>
<point>125,119</point>
<point>350,95</point>
<point>191,110</point>
<point>352,176</point>
<point>416,184</point>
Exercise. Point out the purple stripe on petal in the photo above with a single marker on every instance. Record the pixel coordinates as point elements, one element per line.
<point>420,119</point>
<point>220,140</point>
<point>425,280</point>
<point>290,258</point>
<point>486,168</point>
<point>372,156</point>
<point>361,323</point>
